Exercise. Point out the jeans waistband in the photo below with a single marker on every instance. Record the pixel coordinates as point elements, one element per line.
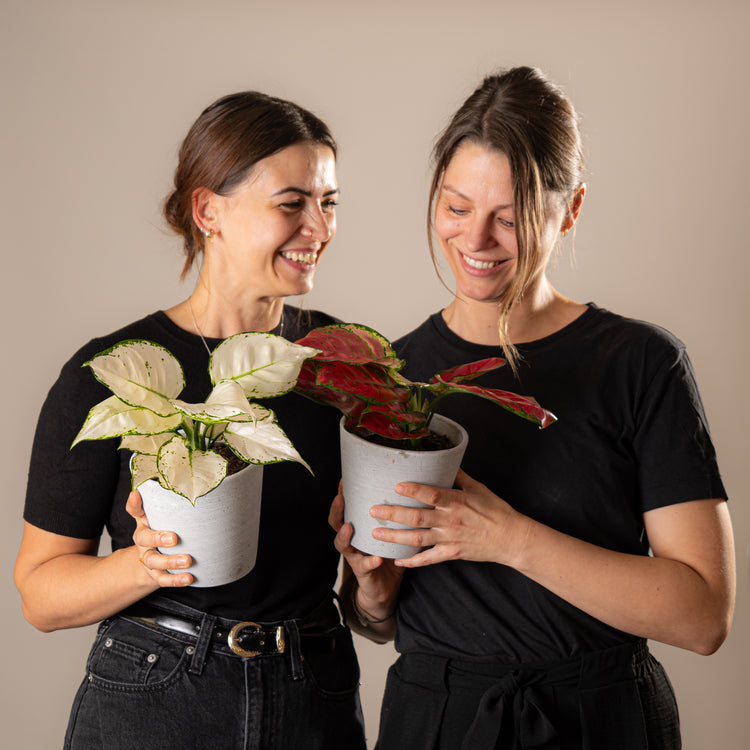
<point>324,618</point>
<point>241,638</point>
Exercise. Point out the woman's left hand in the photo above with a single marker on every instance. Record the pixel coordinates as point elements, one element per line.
<point>466,523</point>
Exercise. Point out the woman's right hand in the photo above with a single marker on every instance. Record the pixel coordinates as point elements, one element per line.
<point>147,541</point>
<point>373,580</point>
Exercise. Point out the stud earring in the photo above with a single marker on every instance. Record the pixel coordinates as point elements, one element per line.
<point>564,231</point>
<point>207,233</point>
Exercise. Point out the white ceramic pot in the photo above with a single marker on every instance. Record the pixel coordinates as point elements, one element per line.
<point>370,472</point>
<point>220,532</point>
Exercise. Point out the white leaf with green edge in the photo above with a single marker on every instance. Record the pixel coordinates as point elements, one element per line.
<point>115,418</point>
<point>263,364</point>
<point>140,373</point>
<point>261,443</point>
<point>217,430</point>
<point>227,402</point>
<point>142,468</point>
<point>190,473</point>
<point>146,444</point>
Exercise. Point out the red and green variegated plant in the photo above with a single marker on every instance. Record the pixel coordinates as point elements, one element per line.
<point>357,371</point>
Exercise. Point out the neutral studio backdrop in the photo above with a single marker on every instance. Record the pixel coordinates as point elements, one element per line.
<point>97,95</point>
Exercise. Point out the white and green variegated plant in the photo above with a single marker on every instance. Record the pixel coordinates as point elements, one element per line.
<point>174,441</point>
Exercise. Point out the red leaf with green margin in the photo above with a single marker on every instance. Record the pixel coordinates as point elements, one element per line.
<point>392,424</point>
<point>370,383</point>
<point>523,406</point>
<point>353,344</point>
<point>307,386</point>
<point>472,370</point>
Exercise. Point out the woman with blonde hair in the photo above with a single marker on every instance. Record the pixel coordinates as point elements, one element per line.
<point>558,553</point>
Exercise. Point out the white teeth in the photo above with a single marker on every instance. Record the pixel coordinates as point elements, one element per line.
<point>480,264</point>
<point>306,258</point>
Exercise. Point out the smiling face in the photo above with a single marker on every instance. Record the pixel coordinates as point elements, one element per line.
<point>271,231</point>
<point>475,222</point>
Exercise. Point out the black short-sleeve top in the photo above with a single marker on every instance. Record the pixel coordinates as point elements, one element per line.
<point>81,491</point>
<point>631,437</point>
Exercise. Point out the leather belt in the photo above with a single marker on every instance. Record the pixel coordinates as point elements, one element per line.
<point>244,638</point>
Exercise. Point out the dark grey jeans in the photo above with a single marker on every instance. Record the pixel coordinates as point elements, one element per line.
<point>146,687</point>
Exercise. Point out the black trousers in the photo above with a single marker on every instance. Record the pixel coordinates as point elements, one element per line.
<point>619,698</point>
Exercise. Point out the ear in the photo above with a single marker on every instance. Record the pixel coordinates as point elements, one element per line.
<point>204,209</point>
<point>575,208</point>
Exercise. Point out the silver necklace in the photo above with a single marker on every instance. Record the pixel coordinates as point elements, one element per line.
<point>197,327</point>
<point>200,333</point>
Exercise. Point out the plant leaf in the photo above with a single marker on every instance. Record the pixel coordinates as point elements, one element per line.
<point>142,468</point>
<point>261,443</point>
<point>472,370</point>
<point>353,344</point>
<point>263,364</point>
<point>226,402</point>
<point>146,444</point>
<point>391,423</point>
<point>369,383</point>
<point>115,418</point>
<point>523,406</point>
<point>306,386</point>
<point>140,373</point>
<point>189,473</point>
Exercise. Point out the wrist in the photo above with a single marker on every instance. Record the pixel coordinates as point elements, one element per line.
<point>524,539</point>
<point>370,615</point>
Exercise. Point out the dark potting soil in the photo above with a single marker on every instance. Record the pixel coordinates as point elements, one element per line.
<point>235,463</point>
<point>432,442</point>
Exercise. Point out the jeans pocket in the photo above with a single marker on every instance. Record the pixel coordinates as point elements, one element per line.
<point>331,663</point>
<point>128,656</point>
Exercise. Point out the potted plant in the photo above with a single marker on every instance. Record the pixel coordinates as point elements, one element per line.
<point>184,454</point>
<point>389,429</point>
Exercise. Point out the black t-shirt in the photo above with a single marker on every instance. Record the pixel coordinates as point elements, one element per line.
<point>79,492</point>
<point>632,436</point>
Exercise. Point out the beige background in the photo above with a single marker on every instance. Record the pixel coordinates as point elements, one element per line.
<point>97,95</point>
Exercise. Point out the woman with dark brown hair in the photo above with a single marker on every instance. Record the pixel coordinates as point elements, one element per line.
<point>524,622</point>
<point>254,200</point>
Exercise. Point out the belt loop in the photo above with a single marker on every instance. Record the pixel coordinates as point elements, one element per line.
<point>202,644</point>
<point>295,652</point>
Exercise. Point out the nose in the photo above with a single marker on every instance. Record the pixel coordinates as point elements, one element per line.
<point>317,225</point>
<point>478,235</point>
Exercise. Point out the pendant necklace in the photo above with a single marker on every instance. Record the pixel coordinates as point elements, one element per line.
<point>200,333</point>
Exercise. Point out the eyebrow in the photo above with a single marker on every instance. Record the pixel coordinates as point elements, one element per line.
<point>453,190</point>
<point>304,192</point>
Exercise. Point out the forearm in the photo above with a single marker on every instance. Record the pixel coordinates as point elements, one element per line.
<point>74,590</point>
<point>653,597</point>
<point>682,595</point>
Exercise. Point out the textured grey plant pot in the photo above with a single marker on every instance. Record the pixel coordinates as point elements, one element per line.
<point>220,532</point>
<point>370,472</point>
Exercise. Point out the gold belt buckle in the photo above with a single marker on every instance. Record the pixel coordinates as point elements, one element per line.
<point>240,626</point>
